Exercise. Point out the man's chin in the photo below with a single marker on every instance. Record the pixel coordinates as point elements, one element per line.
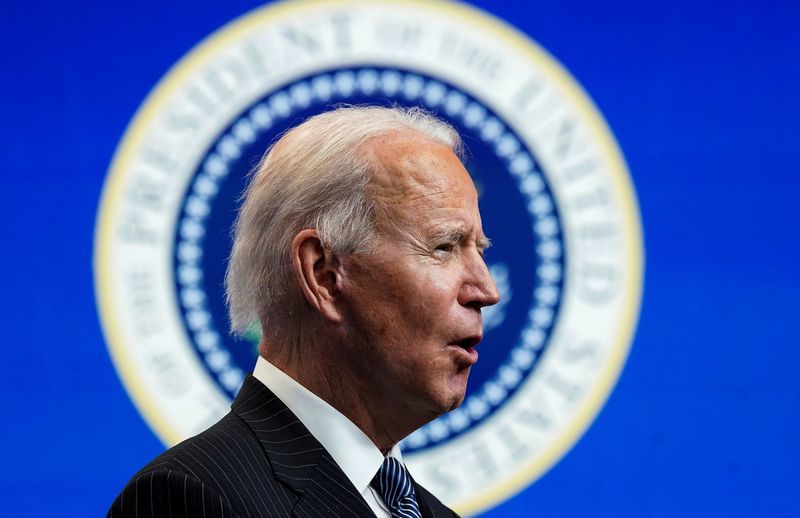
<point>446,398</point>
<point>457,398</point>
<point>456,404</point>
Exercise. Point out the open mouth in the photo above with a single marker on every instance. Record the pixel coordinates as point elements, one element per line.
<point>468,343</point>
<point>465,349</point>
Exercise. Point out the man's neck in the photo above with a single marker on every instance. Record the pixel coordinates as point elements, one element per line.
<point>333,382</point>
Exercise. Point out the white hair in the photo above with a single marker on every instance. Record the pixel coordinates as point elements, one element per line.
<point>314,176</point>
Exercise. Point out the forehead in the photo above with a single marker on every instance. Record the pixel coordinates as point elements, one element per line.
<point>410,168</point>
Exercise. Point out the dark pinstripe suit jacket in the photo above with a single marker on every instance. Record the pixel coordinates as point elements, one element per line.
<point>259,460</point>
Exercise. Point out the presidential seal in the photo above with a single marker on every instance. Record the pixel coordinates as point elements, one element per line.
<point>555,196</point>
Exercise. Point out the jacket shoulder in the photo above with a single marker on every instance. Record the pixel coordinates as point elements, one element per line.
<point>223,471</point>
<point>162,492</point>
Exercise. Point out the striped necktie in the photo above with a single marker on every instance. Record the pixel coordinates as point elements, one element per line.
<point>394,484</point>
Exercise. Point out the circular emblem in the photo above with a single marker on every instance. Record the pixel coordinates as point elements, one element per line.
<point>554,192</point>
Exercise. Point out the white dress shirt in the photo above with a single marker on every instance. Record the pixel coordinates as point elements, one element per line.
<point>352,450</point>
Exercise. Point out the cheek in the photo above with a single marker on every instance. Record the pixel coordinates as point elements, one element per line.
<point>398,302</point>
<point>421,296</point>
<point>436,295</point>
<point>377,303</point>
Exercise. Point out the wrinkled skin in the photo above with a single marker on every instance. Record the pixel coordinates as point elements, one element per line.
<point>411,309</point>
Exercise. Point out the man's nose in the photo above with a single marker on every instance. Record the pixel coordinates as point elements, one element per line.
<point>479,290</point>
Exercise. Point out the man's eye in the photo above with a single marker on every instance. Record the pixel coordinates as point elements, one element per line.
<point>445,247</point>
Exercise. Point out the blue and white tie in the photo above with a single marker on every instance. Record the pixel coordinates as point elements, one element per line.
<point>394,484</point>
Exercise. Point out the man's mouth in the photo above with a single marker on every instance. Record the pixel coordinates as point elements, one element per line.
<point>466,349</point>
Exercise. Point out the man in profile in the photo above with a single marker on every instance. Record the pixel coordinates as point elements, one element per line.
<point>359,249</point>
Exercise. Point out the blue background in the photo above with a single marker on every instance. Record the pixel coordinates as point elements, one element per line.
<point>703,99</point>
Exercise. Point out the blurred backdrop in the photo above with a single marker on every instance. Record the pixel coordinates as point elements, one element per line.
<point>702,99</point>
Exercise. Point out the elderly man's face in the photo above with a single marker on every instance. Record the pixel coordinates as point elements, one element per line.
<point>413,307</point>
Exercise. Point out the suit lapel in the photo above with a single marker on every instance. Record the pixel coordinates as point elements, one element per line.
<point>429,505</point>
<point>298,460</point>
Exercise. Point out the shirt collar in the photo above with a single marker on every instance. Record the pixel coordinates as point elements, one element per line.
<point>352,450</point>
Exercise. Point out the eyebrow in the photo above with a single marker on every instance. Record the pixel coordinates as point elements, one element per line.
<point>457,235</point>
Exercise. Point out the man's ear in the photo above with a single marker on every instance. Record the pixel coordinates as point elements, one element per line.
<point>315,270</point>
